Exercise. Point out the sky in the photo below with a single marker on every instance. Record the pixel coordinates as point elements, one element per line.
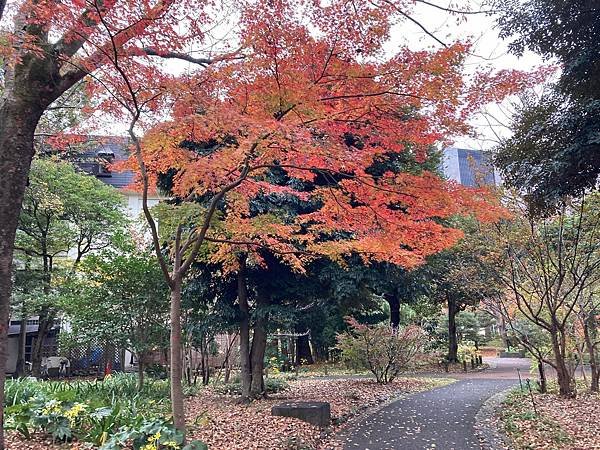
<point>489,50</point>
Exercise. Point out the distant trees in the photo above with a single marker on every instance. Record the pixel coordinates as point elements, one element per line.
<point>65,213</point>
<point>554,150</point>
<point>119,300</point>
<point>549,251</point>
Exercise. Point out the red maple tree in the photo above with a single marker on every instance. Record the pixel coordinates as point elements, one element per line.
<point>314,102</point>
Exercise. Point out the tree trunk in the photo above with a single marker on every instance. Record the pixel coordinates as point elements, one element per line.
<point>140,371</point>
<point>46,320</point>
<point>17,126</point>
<point>122,359</point>
<point>257,357</point>
<point>564,377</point>
<point>543,382</point>
<point>205,369</point>
<point>589,334</point>
<point>503,333</point>
<point>20,368</point>
<point>227,362</point>
<point>394,303</point>
<point>245,365</point>
<point>29,87</point>
<point>452,337</point>
<point>176,368</point>
<point>303,350</point>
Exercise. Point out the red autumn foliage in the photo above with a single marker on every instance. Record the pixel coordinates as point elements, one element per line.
<point>290,89</point>
<point>324,111</point>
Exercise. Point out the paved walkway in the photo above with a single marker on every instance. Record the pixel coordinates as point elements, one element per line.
<point>440,419</point>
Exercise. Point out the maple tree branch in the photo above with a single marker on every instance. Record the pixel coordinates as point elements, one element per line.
<point>209,215</point>
<point>455,11</point>
<point>331,171</point>
<point>372,94</point>
<point>136,113</point>
<point>204,62</point>
<point>119,38</point>
<point>416,22</point>
<point>149,218</point>
<point>257,244</point>
<point>74,39</point>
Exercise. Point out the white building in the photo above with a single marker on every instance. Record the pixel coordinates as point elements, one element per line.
<point>97,161</point>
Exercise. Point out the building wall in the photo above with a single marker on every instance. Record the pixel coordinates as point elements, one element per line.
<point>450,164</point>
<point>469,167</point>
<point>133,201</point>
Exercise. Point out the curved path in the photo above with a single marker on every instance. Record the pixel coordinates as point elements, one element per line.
<point>442,418</point>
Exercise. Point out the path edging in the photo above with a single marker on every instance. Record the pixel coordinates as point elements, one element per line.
<point>486,423</point>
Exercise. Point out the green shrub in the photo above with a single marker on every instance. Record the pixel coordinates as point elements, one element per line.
<point>150,435</point>
<point>118,386</point>
<point>379,348</point>
<point>272,386</point>
<point>157,371</point>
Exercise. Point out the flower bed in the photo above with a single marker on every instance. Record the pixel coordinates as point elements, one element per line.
<point>111,414</point>
<point>218,419</point>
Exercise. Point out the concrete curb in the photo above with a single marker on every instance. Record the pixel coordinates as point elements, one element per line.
<point>487,423</point>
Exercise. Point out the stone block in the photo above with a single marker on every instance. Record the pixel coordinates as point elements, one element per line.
<point>316,413</point>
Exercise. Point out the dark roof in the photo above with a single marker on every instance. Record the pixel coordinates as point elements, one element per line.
<point>96,159</point>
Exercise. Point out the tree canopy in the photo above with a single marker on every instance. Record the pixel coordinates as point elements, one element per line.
<point>555,149</point>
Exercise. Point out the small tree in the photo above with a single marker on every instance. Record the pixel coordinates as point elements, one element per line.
<point>588,313</point>
<point>122,300</point>
<point>63,211</point>
<point>462,280</point>
<point>548,265</point>
<point>384,350</point>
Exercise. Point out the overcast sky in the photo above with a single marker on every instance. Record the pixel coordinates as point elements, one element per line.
<point>489,50</point>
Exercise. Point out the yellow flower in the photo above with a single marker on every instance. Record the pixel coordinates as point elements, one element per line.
<point>171,444</point>
<point>52,407</point>
<point>155,437</point>
<point>74,412</point>
<point>149,447</point>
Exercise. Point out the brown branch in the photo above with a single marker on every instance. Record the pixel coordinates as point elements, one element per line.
<point>258,244</point>
<point>204,62</point>
<point>74,39</point>
<point>211,211</point>
<point>454,11</point>
<point>372,94</point>
<point>417,23</point>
